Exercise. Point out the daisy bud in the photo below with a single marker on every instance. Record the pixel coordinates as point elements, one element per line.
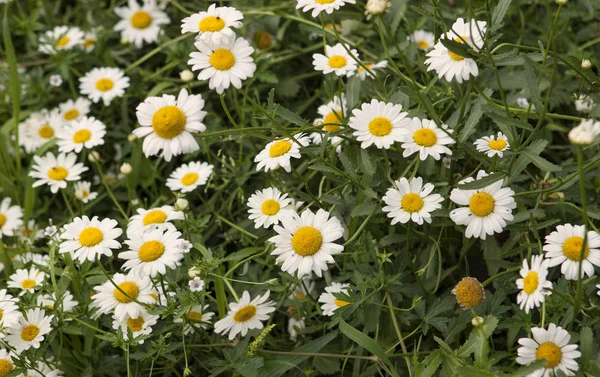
<point>557,195</point>
<point>561,2</point>
<point>94,156</point>
<point>263,40</point>
<point>181,204</point>
<point>186,75</point>
<point>477,321</point>
<point>132,138</point>
<point>193,272</point>
<point>469,293</point>
<point>586,64</point>
<point>375,7</point>
<point>585,133</point>
<point>126,168</point>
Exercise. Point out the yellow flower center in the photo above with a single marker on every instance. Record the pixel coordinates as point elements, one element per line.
<point>71,114</point>
<point>300,296</point>
<point>29,332</point>
<point>195,316</point>
<point>572,248</point>
<point>422,45</point>
<point>341,303</point>
<point>90,237</point>
<point>46,131</point>
<point>211,24</point>
<point>280,148</point>
<point>531,282</point>
<point>331,120</point>
<point>324,1</point>
<point>58,173</point>
<point>2,220</point>
<point>380,126</point>
<point>263,39</point>
<point>368,65</point>
<point>28,284</point>
<point>469,293</point>
<point>306,241</point>
<point>128,287</point>
<point>497,144</point>
<point>455,56</point>
<point>168,122</point>
<point>63,41</point>
<point>337,61</point>
<point>89,42</point>
<point>412,202</point>
<point>245,314</point>
<point>270,207</point>
<point>104,84</point>
<point>551,352</point>
<point>5,367</point>
<point>151,251</point>
<point>141,20</point>
<point>85,194</point>
<point>425,137</point>
<point>1,315</point>
<point>222,59</point>
<point>82,136</point>
<point>482,204</point>
<point>189,179</point>
<point>135,324</point>
<point>155,217</point>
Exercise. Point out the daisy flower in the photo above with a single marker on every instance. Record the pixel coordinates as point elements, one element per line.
<point>140,325</point>
<point>450,65</point>
<point>28,231</point>
<point>585,133</point>
<point>30,330</point>
<point>152,219</point>
<point>330,302</point>
<point>140,24</point>
<point>584,104</point>
<point>87,239</point>
<point>423,39</point>
<point>224,63</point>
<point>533,283</point>
<point>74,110</point>
<point>379,123</point>
<point>84,133</point>
<point>279,153</point>
<point>38,129</point>
<point>26,280</point>
<point>268,207</point>
<point>189,177</point>
<point>65,304</point>
<point>104,84</point>
<point>493,145</point>
<point>318,138</point>
<point>61,38</point>
<point>564,246</point>
<point>425,137</point>
<point>215,25</point>
<point>337,60</point>
<point>120,299</point>
<point>150,253</point>
<point>332,113</point>
<point>469,293</point>
<point>245,315</point>
<point>411,200</point>
<point>305,242</point>
<point>36,259</point>
<point>196,318</point>
<point>10,312</point>
<point>10,218</point>
<point>167,123</point>
<point>295,326</point>
<point>6,361</point>
<point>373,67</point>
<point>551,345</point>
<point>318,6</point>
<point>83,191</point>
<point>488,210</point>
<point>89,40</point>
<point>42,370</point>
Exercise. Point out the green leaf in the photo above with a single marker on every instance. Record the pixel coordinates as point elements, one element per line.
<point>525,371</point>
<point>432,363</point>
<point>499,13</point>
<point>363,209</point>
<point>474,117</point>
<point>540,162</point>
<point>326,365</point>
<point>456,47</point>
<point>365,162</point>
<point>481,183</point>
<point>535,148</point>
<point>291,117</point>
<point>586,346</point>
<point>531,80</point>
<point>353,91</point>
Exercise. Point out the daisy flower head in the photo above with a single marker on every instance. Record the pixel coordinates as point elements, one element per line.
<point>318,6</point>
<point>373,67</point>
<point>214,25</point>
<point>42,370</point>
<point>148,220</point>
<point>330,302</point>
<point>224,64</point>
<point>411,200</point>
<point>61,38</point>
<point>126,297</point>
<point>83,191</point>
<point>11,218</point>
<point>564,246</point>
<point>134,327</point>
<point>104,84</point>
<point>90,239</point>
<point>337,60</point>
<point>469,293</point>
<point>424,136</point>
<point>26,280</point>
<point>30,330</point>
<point>6,361</point>
<point>551,345</point>
<point>140,24</point>
<point>485,210</point>
<point>295,325</point>
<point>376,7</point>
<point>65,303</point>
<point>584,104</point>
<point>167,124</point>
<point>38,129</point>
<point>494,145</point>
<point>246,314</point>
<point>74,110</point>
<point>533,284</point>
<point>379,123</point>
<point>189,177</point>
<point>332,113</point>
<point>10,311</point>
<point>83,133</point>
<point>305,242</point>
<point>198,317</point>
<point>450,65</point>
<point>89,40</point>
<point>280,152</point>
<point>423,39</point>
<point>585,133</point>
<point>150,253</point>
<point>268,207</point>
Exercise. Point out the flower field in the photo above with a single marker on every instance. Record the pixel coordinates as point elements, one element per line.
<point>256,188</point>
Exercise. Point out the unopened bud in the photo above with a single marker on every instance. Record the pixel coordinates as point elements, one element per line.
<point>561,2</point>
<point>126,168</point>
<point>132,138</point>
<point>181,204</point>
<point>586,64</point>
<point>186,75</point>
<point>94,156</point>
<point>477,321</point>
<point>193,272</point>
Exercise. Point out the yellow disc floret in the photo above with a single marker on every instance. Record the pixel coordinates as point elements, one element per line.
<point>337,61</point>
<point>222,59</point>
<point>270,207</point>
<point>141,19</point>
<point>307,241</point>
<point>425,137</point>
<point>90,237</point>
<point>245,314</point>
<point>29,332</point>
<point>530,282</point>
<point>104,84</point>
<point>380,126</point>
<point>469,293</point>
<point>412,202</point>
<point>58,173</point>
<point>482,204</point>
<point>151,251</point>
<point>155,217</point>
<point>130,288</point>
<point>551,352</point>
<point>572,248</point>
<point>168,122</point>
<point>280,148</point>
<point>211,24</point>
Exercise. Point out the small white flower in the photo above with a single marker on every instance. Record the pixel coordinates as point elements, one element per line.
<point>84,133</point>
<point>56,171</point>
<point>245,315</point>
<point>185,246</point>
<point>26,280</point>
<point>268,207</point>
<point>494,145</point>
<point>584,104</point>
<point>295,325</point>
<point>153,218</point>
<point>375,7</point>
<point>120,301</point>
<point>533,284</point>
<point>104,84</point>
<point>61,38</point>
<point>126,168</point>
<point>189,177</point>
<point>181,204</point>
<point>11,218</point>
<point>137,326</point>
<point>196,284</point>
<point>50,231</point>
<point>330,302</point>
<point>140,24</point>
<point>523,102</point>
<point>83,191</point>
<point>411,200</point>
<point>373,67</point>
<point>9,309</point>
<point>215,25</point>
<point>186,75</point>
<point>280,152</point>
<point>66,304</point>
<point>585,133</point>
<point>56,80</point>
<point>198,317</point>
<point>74,110</point>
<point>30,330</point>
<point>564,246</point>
<point>424,136</point>
<point>87,239</point>
<point>318,6</point>
<point>337,60</point>
<point>379,123</point>
<point>423,39</point>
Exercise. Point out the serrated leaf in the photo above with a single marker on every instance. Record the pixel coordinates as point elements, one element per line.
<point>523,160</point>
<point>499,13</point>
<point>363,209</point>
<point>586,346</point>
<point>540,162</point>
<point>365,162</point>
<point>474,117</point>
<point>291,116</point>
<point>353,91</point>
<point>326,365</point>
<point>432,363</point>
<point>481,183</point>
<point>531,80</point>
